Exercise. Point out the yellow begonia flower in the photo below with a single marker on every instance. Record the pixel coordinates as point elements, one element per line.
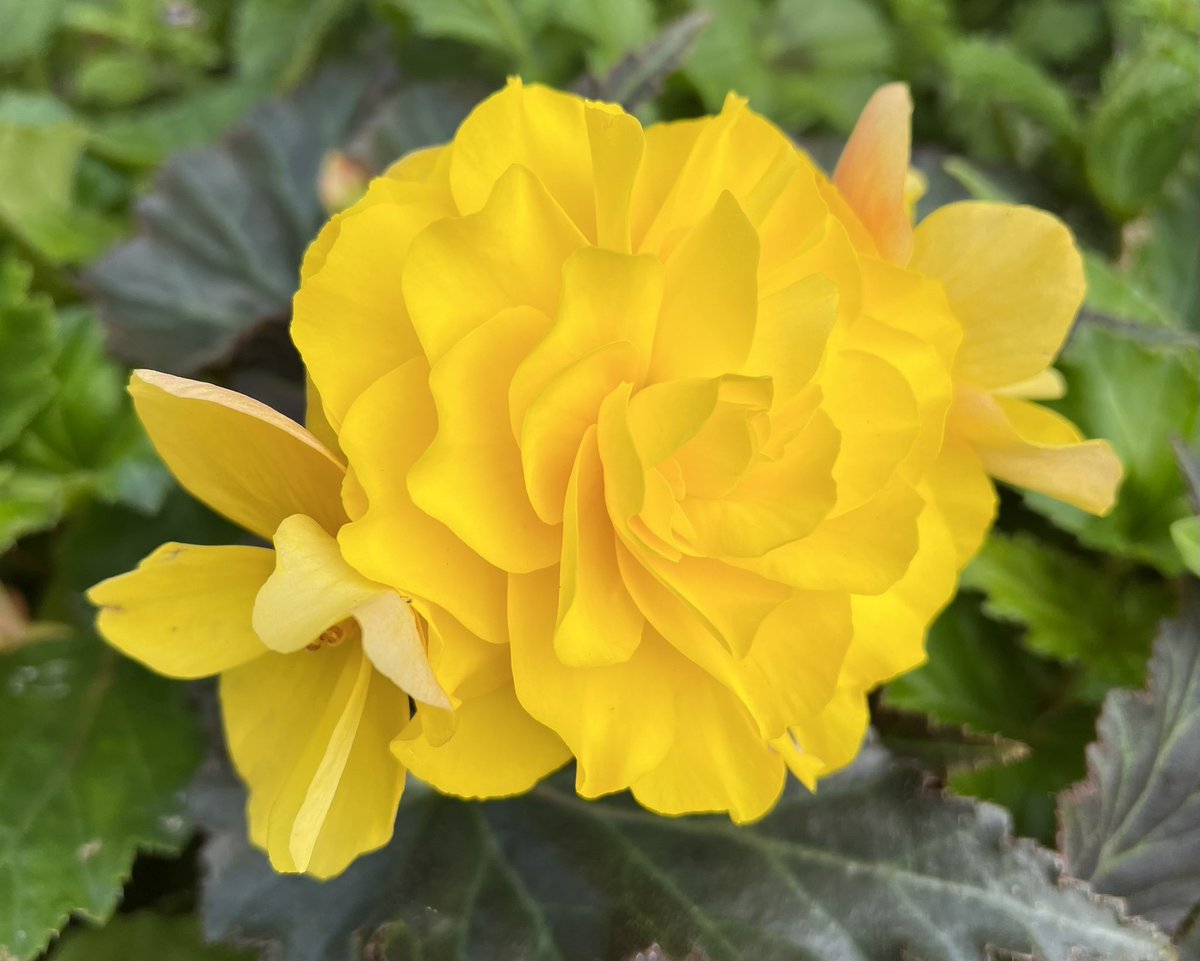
<point>317,662</point>
<point>675,406</point>
<point>1014,281</point>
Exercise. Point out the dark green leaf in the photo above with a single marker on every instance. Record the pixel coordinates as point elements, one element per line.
<point>613,28</point>
<point>144,937</point>
<point>942,749</point>
<point>1104,618</point>
<point>872,867</point>
<point>1138,398</point>
<point>223,233</point>
<point>277,40</point>
<point>1133,827</point>
<point>28,345</point>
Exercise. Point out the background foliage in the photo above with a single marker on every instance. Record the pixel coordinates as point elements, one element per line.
<point>163,164</point>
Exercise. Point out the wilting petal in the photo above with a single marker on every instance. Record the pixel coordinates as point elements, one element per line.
<point>310,734</point>
<point>497,749</point>
<point>185,610</point>
<point>873,170</point>
<point>1014,280</point>
<point>394,542</point>
<point>1031,446</point>
<point>240,457</point>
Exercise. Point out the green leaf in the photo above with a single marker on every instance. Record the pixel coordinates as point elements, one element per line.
<point>872,867</point>
<point>115,79</point>
<point>278,40</point>
<point>1143,123</point>
<point>1133,827</point>
<point>29,502</point>
<point>96,751</point>
<point>28,346</point>
<point>614,28</point>
<point>1162,250</point>
<point>1185,532</point>
<point>148,135</point>
<point>27,27</point>
<point>978,675</point>
<point>1137,397</point>
<point>508,27</point>
<point>144,937</point>
<point>942,749</point>
<point>40,147</point>
<point>1074,610</point>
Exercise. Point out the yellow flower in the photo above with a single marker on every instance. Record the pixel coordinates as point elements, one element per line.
<point>1014,282</point>
<point>316,662</point>
<point>682,427</point>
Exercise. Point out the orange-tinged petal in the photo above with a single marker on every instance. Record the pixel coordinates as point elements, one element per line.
<point>394,542</point>
<point>240,457</point>
<point>618,720</point>
<point>461,272</point>
<point>1014,280</point>
<point>310,734</point>
<point>872,173</point>
<point>185,610</point>
<point>598,622</point>
<point>497,749</point>
<point>1030,446</point>
<point>470,477</point>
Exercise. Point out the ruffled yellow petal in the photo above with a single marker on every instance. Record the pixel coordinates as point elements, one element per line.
<point>240,457</point>
<point>394,542</point>
<point>718,761</point>
<point>497,749</point>
<point>1014,280</point>
<point>1030,446</point>
<point>829,741</point>
<point>470,477</point>
<point>461,272</point>
<point>618,720</point>
<point>185,611</point>
<point>872,172</point>
<point>309,733</point>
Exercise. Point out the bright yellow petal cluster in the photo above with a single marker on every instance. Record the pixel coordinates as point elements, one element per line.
<point>654,448</point>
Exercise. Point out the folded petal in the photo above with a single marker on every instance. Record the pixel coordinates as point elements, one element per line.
<point>618,720</point>
<point>829,741</point>
<point>310,734</point>
<point>873,170</point>
<point>497,749</point>
<point>717,762</point>
<point>185,611</point>
<point>240,457</point>
<point>1014,280</point>
<point>1030,446</point>
<point>394,542</point>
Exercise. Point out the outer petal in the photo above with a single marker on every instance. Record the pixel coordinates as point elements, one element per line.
<point>396,543</point>
<point>185,611</point>
<point>1030,446</point>
<point>873,170</point>
<point>310,734</point>
<point>1014,280</point>
<point>829,741</point>
<point>964,495</point>
<point>619,720</point>
<point>240,457</point>
<point>497,749</point>
<point>717,762</point>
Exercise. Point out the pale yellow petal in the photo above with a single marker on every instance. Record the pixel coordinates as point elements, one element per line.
<point>1014,280</point>
<point>240,457</point>
<point>310,733</point>
<point>185,611</point>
